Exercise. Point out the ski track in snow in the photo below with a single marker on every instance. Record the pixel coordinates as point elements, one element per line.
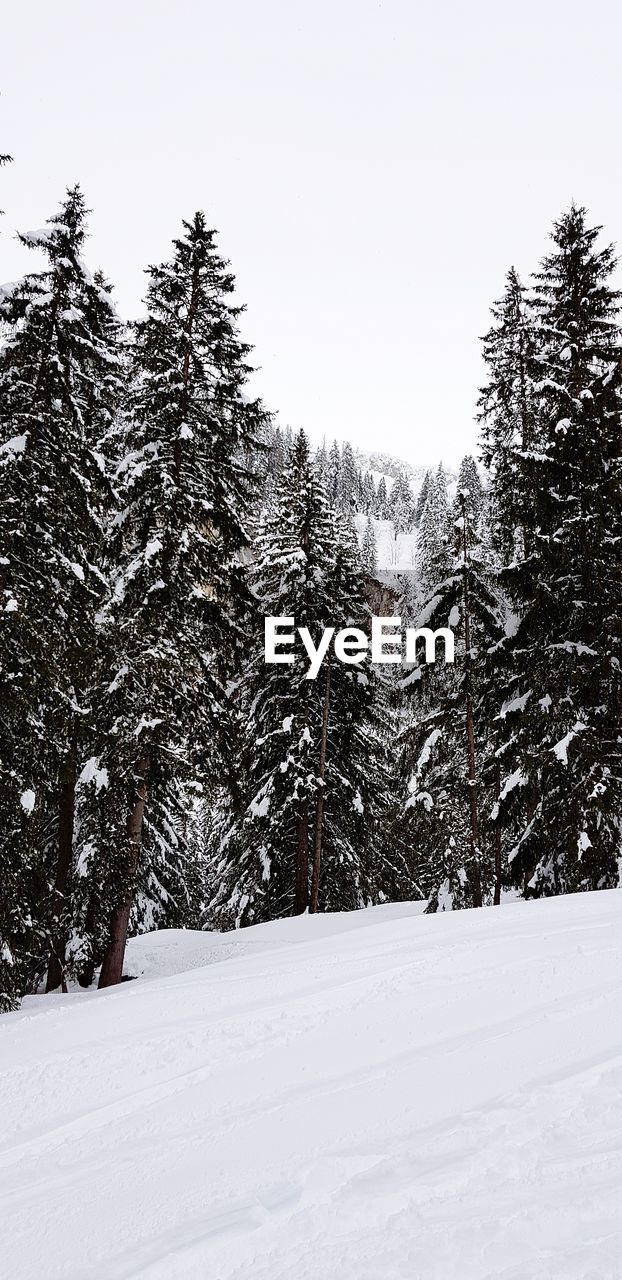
<point>379,1096</point>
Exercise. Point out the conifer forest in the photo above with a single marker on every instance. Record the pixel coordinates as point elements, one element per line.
<point>310,640</point>
<point>154,771</point>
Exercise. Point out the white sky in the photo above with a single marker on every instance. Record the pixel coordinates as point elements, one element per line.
<point>372,168</point>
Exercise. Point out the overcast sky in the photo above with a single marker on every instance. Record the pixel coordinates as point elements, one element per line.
<point>372,169</point>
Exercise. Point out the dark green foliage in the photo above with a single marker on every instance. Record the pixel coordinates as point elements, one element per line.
<point>561,500</point>
<point>307,569</point>
<point>402,505</point>
<point>173,627</point>
<point>434,752</point>
<point>435,539</point>
<point>369,550</point>
<point>423,494</point>
<point>382,501</point>
<point>60,383</point>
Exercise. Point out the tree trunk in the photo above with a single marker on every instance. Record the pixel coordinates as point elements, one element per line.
<point>64,857</point>
<point>319,813</point>
<point>112,968</point>
<point>474,854</point>
<point>497,893</point>
<point>301,897</point>
<point>531,804</point>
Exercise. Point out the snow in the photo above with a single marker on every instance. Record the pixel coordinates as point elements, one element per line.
<point>15,445</point>
<point>514,704</point>
<point>40,237</point>
<point>394,551</point>
<point>260,807</point>
<point>373,1096</point>
<point>146,723</point>
<point>561,748</point>
<point>92,773</point>
<point>377,476</point>
<point>426,750</point>
<point>119,678</point>
<point>516,779</point>
<point>27,801</point>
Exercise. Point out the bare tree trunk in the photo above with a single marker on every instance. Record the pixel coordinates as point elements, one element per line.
<point>64,855</point>
<point>474,853</point>
<point>319,812</point>
<point>112,968</point>
<point>497,893</point>
<point>301,896</point>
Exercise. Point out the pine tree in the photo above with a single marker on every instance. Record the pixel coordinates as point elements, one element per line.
<point>469,483</point>
<point>316,781</point>
<point>402,505</point>
<point>269,465</point>
<point>563,662</point>
<point>174,634</point>
<point>353,863</point>
<point>59,385</point>
<point>334,476</point>
<point>382,500</point>
<point>369,548</point>
<point>368,496</point>
<point>349,480</point>
<point>265,872</point>
<point>423,494</point>
<point>434,540</point>
<point>509,411</point>
<point>322,465</point>
<point>410,599</point>
<point>449,745</point>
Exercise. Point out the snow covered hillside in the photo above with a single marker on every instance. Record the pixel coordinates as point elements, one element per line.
<point>378,1096</point>
<point>396,552</point>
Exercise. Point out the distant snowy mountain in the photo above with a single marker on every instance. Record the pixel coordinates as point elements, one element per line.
<point>389,466</point>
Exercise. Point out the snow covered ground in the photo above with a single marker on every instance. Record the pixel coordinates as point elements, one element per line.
<point>381,1096</point>
<point>396,552</point>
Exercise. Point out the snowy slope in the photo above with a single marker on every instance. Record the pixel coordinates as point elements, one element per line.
<point>396,552</point>
<point>170,951</point>
<point>384,1096</point>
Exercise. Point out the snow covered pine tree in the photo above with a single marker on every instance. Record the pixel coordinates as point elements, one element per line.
<point>369,548</point>
<point>60,382</point>
<point>434,540</point>
<point>449,738</point>
<point>316,774</point>
<point>552,439</point>
<point>179,594</point>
